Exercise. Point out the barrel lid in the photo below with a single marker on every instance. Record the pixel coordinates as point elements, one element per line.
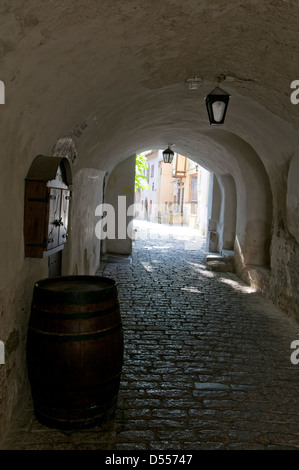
<point>75,289</point>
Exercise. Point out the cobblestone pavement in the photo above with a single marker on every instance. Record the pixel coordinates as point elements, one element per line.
<point>207,360</point>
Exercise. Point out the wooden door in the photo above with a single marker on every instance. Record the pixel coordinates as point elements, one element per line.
<point>54,218</point>
<point>64,210</point>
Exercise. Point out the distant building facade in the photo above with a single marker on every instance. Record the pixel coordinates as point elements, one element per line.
<point>178,192</point>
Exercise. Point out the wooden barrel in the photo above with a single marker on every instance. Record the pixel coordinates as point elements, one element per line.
<point>75,350</point>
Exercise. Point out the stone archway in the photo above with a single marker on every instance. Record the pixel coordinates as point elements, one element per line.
<point>243,179</point>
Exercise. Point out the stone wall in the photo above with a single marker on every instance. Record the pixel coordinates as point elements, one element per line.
<point>278,281</point>
<point>284,250</point>
<point>15,302</point>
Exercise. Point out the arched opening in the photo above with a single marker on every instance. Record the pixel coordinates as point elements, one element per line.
<point>240,200</point>
<point>178,191</point>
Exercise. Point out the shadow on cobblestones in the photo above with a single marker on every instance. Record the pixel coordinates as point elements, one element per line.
<point>207,360</point>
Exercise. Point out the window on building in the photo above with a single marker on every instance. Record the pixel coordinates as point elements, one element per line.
<point>193,193</point>
<point>193,188</point>
<point>152,171</point>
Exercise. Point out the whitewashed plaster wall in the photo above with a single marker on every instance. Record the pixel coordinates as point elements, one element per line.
<point>120,195</point>
<point>82,252</point>
<point>228,212</point>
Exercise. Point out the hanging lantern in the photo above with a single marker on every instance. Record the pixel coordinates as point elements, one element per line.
<point>217,103</point>
<point>168,155</point>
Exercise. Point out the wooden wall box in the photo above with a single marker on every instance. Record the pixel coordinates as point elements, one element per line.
<point>47,198</point>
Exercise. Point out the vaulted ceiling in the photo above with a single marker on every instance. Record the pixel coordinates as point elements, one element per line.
<point>111,73</point>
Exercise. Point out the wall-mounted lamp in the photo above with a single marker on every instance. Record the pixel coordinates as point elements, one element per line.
<point>168,155</point>
<point>217,103</point>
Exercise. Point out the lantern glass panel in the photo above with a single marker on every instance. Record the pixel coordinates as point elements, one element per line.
<point>218,110</point>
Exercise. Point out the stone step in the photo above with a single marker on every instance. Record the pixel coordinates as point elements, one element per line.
<point>228,254</point>
<point>220,262</point>
<point>116,258</point>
